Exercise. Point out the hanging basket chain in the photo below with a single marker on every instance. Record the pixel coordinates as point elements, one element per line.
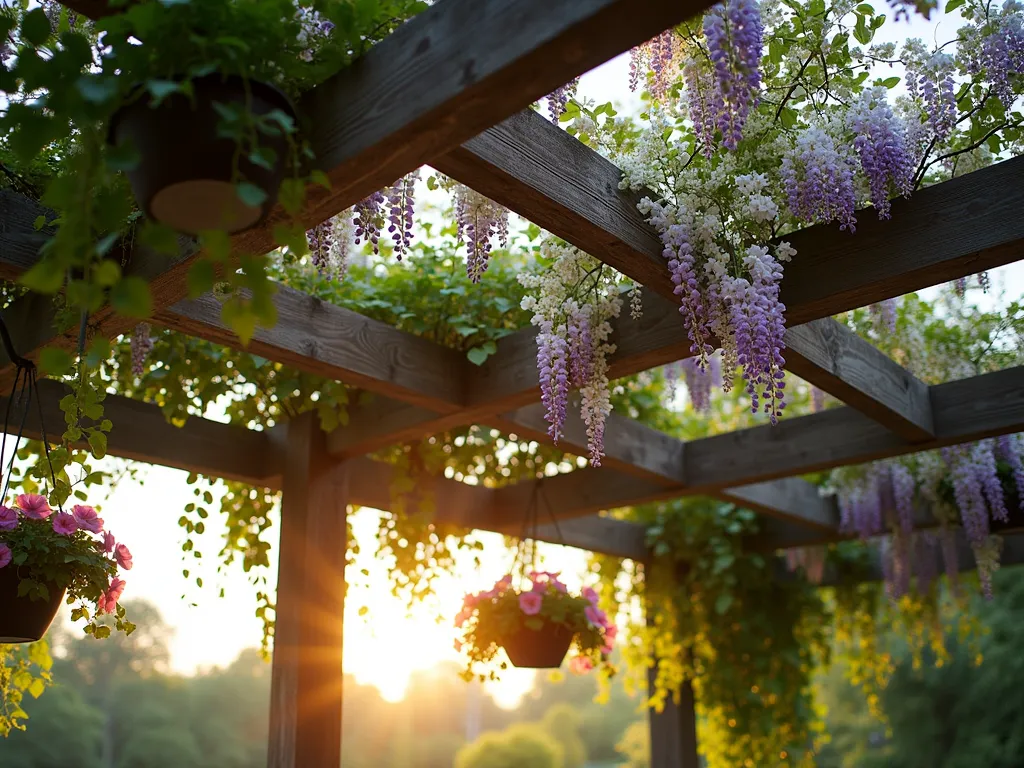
<point>26,375</point>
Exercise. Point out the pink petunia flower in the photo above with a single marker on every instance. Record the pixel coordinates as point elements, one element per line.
<point>581,664</point>
<point>503,583</point>
<point>5,555</point>
<point>530,602</point>
<point>470,601</point>
<point>595,616</point>
<point>33,505</point>
<point>590,595</point>
<point>462,617</point>
<point>123,557</point>
<point>87,518</point>
<point>108,600</point>
<point>8,518</point>
<point>64,524</point>
<point>108,542</point>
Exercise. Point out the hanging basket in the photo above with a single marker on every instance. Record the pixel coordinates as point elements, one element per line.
<point>22,619</point>
<point>543,648</point>
<point>186,175</point>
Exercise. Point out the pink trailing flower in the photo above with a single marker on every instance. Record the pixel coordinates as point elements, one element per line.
<point>504,582</point>
<point>8,518</point>
<point>123,557</point>
<point>87,518</point>
<point>34,506</point>
<point>610,633</point>
<point>530,603</point>
<point>462,617</point>
<point>108,542</point>
<point>590,595</point>
<point>581,664</point>
<point>469,601</point>
<point>64,524</point>
<point>108,600</point>
<point>5,555</point>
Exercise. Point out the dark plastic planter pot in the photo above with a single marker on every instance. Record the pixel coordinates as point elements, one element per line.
<point>23,620</point>
<point>185,176</point>
<point>543,648</point>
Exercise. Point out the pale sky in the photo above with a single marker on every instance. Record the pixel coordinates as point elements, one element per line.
<point>384,648</point>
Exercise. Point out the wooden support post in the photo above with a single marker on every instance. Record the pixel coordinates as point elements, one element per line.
<point>306,688</point>
<point>674,731</point>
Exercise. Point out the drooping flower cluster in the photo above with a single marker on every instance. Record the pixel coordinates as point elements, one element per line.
<point>559,98</point>
<point>885,315</point>
<point>479,219</point>
<point>882,498</point>
<point>810,559</point>
<point>31,532</point>
<point>329,245</point>
<point>728,287</point>
<point>391,209</point>
<point>881,142</point>
<point>733,31</point>
<point>313,30</point>
<point>699,380</point>
<point>818,179</point>
<point>698,90</point>
<point>994,47</point>
<point>573,303</point>
<point>141,346</point>
<point>490,618</point>
<point>929,78</point>
<point>660,57</point>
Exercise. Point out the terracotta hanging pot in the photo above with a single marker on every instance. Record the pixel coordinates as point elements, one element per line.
<point>543,648</point>
<point>186,174</point>
<point>22,619</point>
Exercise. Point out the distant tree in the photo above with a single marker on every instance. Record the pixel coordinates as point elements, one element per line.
<point>63,732</point>
<point>635,745</point>
<point>563,722</point>
<point>519,746</point>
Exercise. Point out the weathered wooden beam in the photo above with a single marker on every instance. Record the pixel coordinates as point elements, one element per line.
<point>141,432</point>
<point>558,183</point>
<point>318,337</point>
<point>834,359</point>
<point>674,729</point>
<point>789,499</point>
<point>306,677</point>
<point>962,411</point>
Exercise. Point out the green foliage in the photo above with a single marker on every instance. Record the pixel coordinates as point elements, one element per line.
<point>563,722</point>
<point>23,669</point>
<point>635,746</point>
<point>519,746</point>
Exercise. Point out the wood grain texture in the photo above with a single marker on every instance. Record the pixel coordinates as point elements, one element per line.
<point>790,499</point>
<point>673,729</point>
<point>19,240</point>
<point>451,72</point>
<point>834,359</point>
<point>142,432</point>
<point>635,448</point>
<point>306,677</point>
<point>950,230</point>
<point>320,338</point>
<point>963,411</point>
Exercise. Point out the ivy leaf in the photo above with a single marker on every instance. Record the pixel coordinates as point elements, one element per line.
<point>723,603</point>
<point>107,272</point>
<point>98,444</point>
<point>131,297</point>
<point>200,279</point>
<point>54,361</point>
<point>250,194</point>
<point>478,355</point>
<point>35,27</point>
<point>45,277</point>
<point>161,89</point>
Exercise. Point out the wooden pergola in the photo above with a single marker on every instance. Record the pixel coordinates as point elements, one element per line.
<point>451,88</point>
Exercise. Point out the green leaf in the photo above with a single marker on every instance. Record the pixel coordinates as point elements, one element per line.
<point>201,277</point>
<point>45,277</point>
<point>319,177</point>
<point>723,603</point>
<point>865,8</point>
<point>37,687</point>
<point>98,444</point>
<point>124,157</point>
<point>35,27</point>
<point>161,89</point>
<point>131,297</point>
<point>477,355</point>
<point>250,194</point>
<point>861,32</point>
<point>788,117</point>
<point>107,272</point>
<point>54,361</point>
<point>952,5</point>
<point>890,82</point>
<point>97,88</point>
<point>240,318</point>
